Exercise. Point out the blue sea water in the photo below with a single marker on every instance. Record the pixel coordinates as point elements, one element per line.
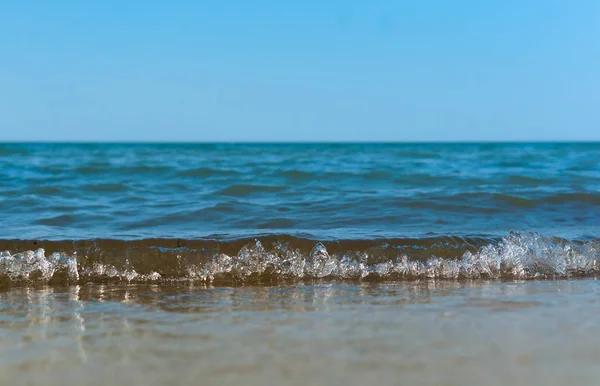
<point>448,206</point>
<point>299,264</point>
<point>342,191</point>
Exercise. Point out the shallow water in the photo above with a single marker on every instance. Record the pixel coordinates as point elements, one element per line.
<point>434,264</point>
<point>430,333</point>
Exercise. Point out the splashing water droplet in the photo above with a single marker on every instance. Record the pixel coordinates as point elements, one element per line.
<point>319,263</point>
<point>516,256</point>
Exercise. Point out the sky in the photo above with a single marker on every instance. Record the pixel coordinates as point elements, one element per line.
<point>312,70</point>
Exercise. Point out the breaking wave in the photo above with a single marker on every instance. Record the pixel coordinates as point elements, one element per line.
<point>517,256</point>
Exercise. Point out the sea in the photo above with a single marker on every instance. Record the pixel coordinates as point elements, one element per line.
<point>299,264</point>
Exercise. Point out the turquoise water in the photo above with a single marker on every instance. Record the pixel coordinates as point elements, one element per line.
<point>254,212</point>
<point>356,191</point>
<point>434,264</point>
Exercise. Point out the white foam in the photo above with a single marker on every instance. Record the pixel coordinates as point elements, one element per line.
<point>517,256</point>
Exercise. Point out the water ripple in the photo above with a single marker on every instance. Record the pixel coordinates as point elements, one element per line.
<point>333,190</point>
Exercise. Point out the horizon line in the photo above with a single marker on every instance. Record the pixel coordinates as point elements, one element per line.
<point>324,142</point>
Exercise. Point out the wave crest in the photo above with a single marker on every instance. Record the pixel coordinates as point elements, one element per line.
<point>518,255</point>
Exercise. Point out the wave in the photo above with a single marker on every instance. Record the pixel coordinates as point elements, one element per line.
<point>278,258</point>
<point>239,190</point>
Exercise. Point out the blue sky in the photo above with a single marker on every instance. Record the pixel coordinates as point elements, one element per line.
<point>266,70</point>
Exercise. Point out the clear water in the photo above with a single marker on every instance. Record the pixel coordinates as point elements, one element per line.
<point>427,333</point>
<point>435,264</point>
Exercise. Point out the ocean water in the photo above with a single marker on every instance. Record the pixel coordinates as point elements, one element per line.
<point>435,264</point>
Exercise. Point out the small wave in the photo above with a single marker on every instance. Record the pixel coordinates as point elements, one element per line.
<point>529,180</point>
<point>93,168</point>
<point>46,190</point>
<point>13,150</point>
<point>295,174</point>
<point>579,198</point>
<point>277,223</point>
<point>246,190</point>
<point>513,200</point>
<point>517,256</point>
<point>61,220</point>
<point>206,172</point>
<point>104,188</point>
